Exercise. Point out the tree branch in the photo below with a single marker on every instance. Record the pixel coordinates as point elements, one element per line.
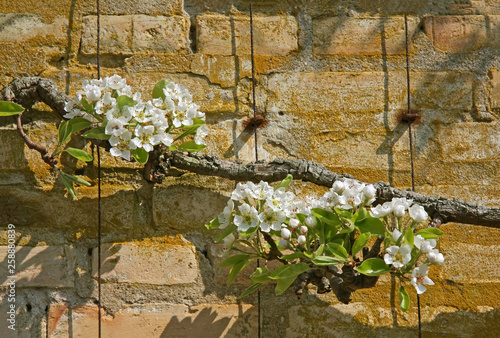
<point>28,90</point>
<point>441,210</point>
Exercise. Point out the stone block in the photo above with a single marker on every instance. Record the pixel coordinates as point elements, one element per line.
<point>159,34</point>
<point>159,264</point>
<point>470,142</point>
<point>24,27</point>
<point>367,91</point>
<point>115,38</point>
<point>470,263</point>
<point>41,266</point>
<point>150,7</point>
<point>456,33</point>
<point>180,207</point>
<point>222,35</point>
<point>351,36</point>
<point>20,58</point>
<point>157,320</point>
<point>128,34</point>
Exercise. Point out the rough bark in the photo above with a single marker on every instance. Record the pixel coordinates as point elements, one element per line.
<point>440,209</point>
<point>28,90</point>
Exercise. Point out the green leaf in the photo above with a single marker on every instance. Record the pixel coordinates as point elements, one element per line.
<point>373,267</point>
<point>64,132</point>
<point>86,105</point>
<point>76,179</point>
<point>173,147</point>
<point>140,155</point>
<point>158,89</point>
<point>285,183</point>
<point>349,227</point>
<point>191,146</point>
<point>97,133</point>
<point>360,242</point>
<point>326,260</point>
<point>261,275</point>
<point>69,185</point>
<point>409,238</point>
<point>191,130</point>
<point>429,233</point>
<point>293,256</point>
<point>361,214</point>
<point>344,213</point>
<point>10,108</point>
<point>226,233</point>
<point>79,154</point>
<point>235,270</point>
<point>326,216</point>
<point>404,298</point>
<point>347,242</point>
<point>338,250</point>
<point>214,224</point>
<point>124,100</point>
<point>253,287</point>
<point>283,285</point>
<point>78,123</point>
<point>233,260</point>
<point>372,225</point>
<point>320,250</point>
<point>290,270</point>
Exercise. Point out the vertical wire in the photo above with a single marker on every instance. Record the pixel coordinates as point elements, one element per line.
<point>410,134</point>
<point>253,81</point>
<point>256,152</point>
<point>99,225</point>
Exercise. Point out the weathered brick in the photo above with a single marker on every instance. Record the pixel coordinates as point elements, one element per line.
<point>225,70</point>
<point>22,27</point>
<point>469,142</point>
<point>364,91</point>
<point>12,150</point>
<point>456,33</point>
<point>128,34</point>
<point>147,264</point>
<point>150,7</point>
<point>159,33</point>
<point>494,89</point>
<point>41,266</point>
<point>115,37</point>
<point>223,35</point>
<point>158,320</point>
<point>20,58</point>
<point>347,35</point>
<point>169,211</point>
<point>470,263</point>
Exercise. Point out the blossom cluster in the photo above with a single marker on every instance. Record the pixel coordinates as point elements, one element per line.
<point>300,226</point>
<point>130,123</point>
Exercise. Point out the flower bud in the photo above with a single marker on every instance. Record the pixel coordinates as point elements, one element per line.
<point>338,186</point>
<point>435,257</point>
<point>294,223</point>
<point>369,191</point>
<point>301,240</point>
<point>303,229</point>
<point>283,243</point>
<point>285,233</point>
<point>311,221</point>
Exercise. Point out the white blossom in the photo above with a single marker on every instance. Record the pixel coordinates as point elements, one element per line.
<point>418,213</point>
<point>398,256</point>
<point>419,278</point>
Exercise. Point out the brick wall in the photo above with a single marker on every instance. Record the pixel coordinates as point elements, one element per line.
<point>331,76</point>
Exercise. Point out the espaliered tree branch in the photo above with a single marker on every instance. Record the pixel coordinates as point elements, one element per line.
<point>441,210</point>
<point>28,90</point>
